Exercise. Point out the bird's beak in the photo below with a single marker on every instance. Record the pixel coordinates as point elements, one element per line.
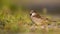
<point>30,14</point>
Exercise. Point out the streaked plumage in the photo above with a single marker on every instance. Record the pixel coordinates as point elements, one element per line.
<point>41,21</point>
<point>38,20</point>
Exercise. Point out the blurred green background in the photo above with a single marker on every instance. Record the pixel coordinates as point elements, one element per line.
<point>15,18</point>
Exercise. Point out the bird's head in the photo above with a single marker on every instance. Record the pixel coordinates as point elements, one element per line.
<point>33,13</point>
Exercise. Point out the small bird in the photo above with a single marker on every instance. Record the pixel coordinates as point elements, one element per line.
<point>41,21</point>
<point>38,19</point>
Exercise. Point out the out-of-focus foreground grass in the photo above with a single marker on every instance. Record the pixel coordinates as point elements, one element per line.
<point>14,18</point>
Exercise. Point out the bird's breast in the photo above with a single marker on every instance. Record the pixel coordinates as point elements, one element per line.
<point>37,21</point>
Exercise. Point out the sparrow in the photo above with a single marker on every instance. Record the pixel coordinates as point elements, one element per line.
<point>38,20</point>
<point>41,21</point>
